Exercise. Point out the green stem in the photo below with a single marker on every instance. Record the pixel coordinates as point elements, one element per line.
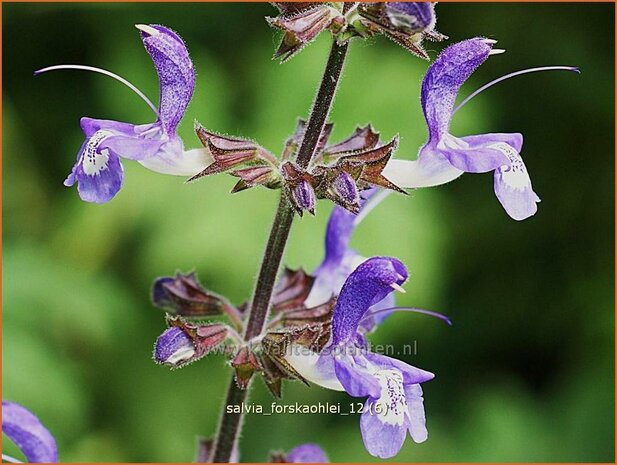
<point>230,423</point>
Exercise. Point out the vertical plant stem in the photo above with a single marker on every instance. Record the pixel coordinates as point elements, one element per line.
<point>230,424</point>
<point>323,104</point>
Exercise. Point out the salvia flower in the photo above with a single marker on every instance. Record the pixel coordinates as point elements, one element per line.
<point>340,259</point>
<point>23,428</point>
<point>98,170</point>
<point>394,404</point>
<point>445,157</point>
<point>304,453</point>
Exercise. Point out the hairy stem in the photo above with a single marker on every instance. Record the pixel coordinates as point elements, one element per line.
<point>230,424</point>
<point>322,104</point>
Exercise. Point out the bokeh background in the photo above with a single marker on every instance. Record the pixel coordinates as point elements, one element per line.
<point>526,373</point>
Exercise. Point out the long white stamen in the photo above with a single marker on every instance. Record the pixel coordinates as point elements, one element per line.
<point>106,73</point>
<point>511,75</point>
<point>497,51</point>
<point>147,29</point>
<point>397,287</point>
<point>409,309</point>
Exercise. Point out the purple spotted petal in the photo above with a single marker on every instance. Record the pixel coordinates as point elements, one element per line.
<point>27,432</point>
<point>445,77</point>
<point>417,417</point>
<point>513,186</point>
<point>370,283</point>
<point>175,70</point>
<point>381,439</point>
<point>98,173</point>
<point>307,453</point>
<point>413,16</point>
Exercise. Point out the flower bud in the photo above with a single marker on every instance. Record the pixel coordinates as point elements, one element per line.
<point>301,25</point>
<point>407,23</point>
<point>173,347</point>
<point>411,16</point>
<point>245,364</point>
<point>345,188</point>
<point>184,295</point>
<point>304,196</point>
<point>184,342</point>
<point>298,187</point>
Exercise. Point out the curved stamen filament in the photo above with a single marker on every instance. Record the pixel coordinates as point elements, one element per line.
<point>106,73</point>
<point>441,316</point>
<point>511,75</point>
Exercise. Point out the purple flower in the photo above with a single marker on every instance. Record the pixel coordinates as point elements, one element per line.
<point>394,404</point>
<point>98,171</point>
<point>307,453</point>
<point>28,433</point>
<point>340,259</point>
<point>445,157</point>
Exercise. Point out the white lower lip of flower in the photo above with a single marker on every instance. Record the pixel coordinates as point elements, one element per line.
<point>416,174</point>
<point>94,161</point>
<point>306,363</point>
<point>515,175</point>
<point>184,163</point>
<point>392,402</point>
<point>180,355</point>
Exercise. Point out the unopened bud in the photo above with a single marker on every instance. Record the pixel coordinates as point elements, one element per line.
<point>246,364</point>
<point>173,347</point>
<point>345,188</point>
<point>184,342</point>
<point>411,16</point>
<point>184,295</point>
<point>304,196</point>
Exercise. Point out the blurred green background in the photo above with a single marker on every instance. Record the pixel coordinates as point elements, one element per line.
<point>526,373</point>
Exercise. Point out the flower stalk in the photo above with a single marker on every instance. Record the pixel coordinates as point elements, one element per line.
<point>230,424</point>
